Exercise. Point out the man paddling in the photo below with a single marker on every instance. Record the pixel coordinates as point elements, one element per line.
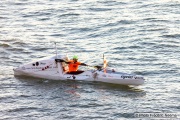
<point>74,64</point>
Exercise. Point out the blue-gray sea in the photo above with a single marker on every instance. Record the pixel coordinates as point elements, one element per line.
<point>136,36</point>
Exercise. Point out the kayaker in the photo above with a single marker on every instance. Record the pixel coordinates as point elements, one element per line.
<point>74,64</point>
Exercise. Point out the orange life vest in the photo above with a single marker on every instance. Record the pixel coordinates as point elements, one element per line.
<point>73,66</point>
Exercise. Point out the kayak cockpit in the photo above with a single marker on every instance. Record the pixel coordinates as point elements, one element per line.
<point>75,72</point>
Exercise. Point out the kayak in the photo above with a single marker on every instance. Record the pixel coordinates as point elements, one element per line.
<point>53,68</point>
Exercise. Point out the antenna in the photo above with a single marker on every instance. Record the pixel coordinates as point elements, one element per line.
<point>103,60</point>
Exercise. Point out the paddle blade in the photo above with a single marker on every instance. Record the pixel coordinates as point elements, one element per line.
<point>105,63</point>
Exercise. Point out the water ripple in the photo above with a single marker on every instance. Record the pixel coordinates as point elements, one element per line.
<point>140,37</point>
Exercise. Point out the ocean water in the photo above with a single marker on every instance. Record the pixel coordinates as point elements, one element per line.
<point>136,36</point>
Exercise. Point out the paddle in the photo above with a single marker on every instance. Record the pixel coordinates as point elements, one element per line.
<point>60,60</point>
<point>97,67</point>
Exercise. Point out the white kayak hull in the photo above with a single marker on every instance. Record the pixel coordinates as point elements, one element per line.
<point>48,68</point>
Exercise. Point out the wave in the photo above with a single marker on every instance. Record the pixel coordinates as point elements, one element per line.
<point>171,36</point>
<point>4,45</point>
<point>68,14</point>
